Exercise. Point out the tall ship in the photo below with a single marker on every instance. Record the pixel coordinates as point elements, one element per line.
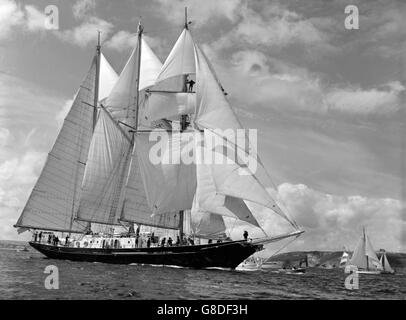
<point>112,197</point>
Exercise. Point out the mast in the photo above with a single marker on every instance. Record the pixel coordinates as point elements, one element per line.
<point>365,241</point>
<point>95,102</point>
<point>96,88</point>
<point>140,30</point>
<point>183,125</point>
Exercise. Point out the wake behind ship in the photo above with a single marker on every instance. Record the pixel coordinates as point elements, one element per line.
<point>100,175</point>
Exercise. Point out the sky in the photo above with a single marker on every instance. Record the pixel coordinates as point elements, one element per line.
<point>328,102</point>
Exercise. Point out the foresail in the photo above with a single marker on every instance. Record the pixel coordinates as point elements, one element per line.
<point>385,264</point>
<point>105,174</point>
<point>55,196</point>
<point>369,250</point>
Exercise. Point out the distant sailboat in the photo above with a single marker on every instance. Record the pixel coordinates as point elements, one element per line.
<point>385,264</point>
<point>365,258</point>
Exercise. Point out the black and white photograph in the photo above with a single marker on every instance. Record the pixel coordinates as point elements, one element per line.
<point>206,151</point>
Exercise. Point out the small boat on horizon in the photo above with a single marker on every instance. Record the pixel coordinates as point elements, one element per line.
<point>366,260</point>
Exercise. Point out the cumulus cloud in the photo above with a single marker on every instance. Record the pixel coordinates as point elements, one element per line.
<point>83,8</point>
<point>257,80</point>
<point>86,32</point>
<point>11,15</point>
<point>122,40</point>
<point>205,11</point>
<point>371,101</point>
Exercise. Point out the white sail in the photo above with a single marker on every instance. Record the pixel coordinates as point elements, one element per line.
<point>364,256</point>
<point>370,253</point>
<point>105,173</point>
<point>122,100</point>
<point>181,59</point>
<point>150,66</point>
<point>135,207</point>
<point>385,263</point>
<point>55,197</point>
<point>229,177</point>
<point>107,79</point>
<point>163,105</point>
<point>213,109</point>
<point>358,257</point>
<point>170,183</point>
<point>208,225</point>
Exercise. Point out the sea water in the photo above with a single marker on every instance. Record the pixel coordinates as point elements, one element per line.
<point>22,277</point>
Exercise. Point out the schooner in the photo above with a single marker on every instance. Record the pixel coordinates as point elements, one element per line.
<point>99,172</point>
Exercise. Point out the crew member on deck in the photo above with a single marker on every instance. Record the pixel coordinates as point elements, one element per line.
<point>245,235</point>
<point>170,242</point>
<point>149,242</point>
<point>35,236</point>
<point>40,236</point>
<point>67,240</point>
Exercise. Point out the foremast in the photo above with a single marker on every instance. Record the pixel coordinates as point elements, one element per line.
<point>95,106</point>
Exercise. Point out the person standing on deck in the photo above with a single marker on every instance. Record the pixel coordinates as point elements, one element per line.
<point>245,235</point>
<point>67,240</point>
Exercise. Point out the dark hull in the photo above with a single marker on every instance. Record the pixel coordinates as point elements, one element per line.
<point>222,255</point>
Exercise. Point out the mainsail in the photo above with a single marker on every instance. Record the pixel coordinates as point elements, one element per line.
<point>55,196</point>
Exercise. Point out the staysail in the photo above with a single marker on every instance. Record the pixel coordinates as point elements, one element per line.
<point>105,172</point>
<point>385,263</point>
<point>55,196</point>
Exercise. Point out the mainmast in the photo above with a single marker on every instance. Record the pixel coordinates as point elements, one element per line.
<point>365,243</point>
<point>183,125</point>
<point>96,82</point>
